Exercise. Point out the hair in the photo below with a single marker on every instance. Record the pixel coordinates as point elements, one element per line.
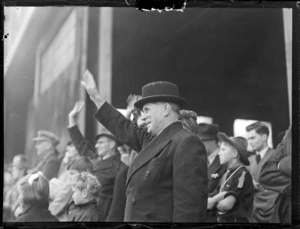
<point>259,127</point>
<point>88,181</point>
<point>189,120</point>
<point>38,191</point>
<point>82,164</point>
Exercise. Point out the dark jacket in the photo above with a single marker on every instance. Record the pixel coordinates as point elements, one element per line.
<point>48,165</point>
<point>214,174</point>
<point>168,179</point>
<point>105,171</point>
<point>264,199</point>
<point>87,212</point>
<point>116,213</point>
<point>37,213</point>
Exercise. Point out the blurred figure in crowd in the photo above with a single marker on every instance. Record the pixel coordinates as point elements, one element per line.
<point>189,120</point>
<point>70,156</point>
<point>45,145</point>
<point>264,199</point>
<point>233,199</point>
<point>108,163</point>
<point>85,188</point>
<point>276,175</point>
<point>19,170</point>
<point>33,196</point>
<point>208,135</point>
<point>167,181</point>
<point>61,188</point>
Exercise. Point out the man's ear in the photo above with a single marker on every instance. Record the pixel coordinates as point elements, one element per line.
<point>265,137</point>
<point>167,108</point>
<point>48,145</point>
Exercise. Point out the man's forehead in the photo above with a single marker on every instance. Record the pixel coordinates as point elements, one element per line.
<point>153,104</point>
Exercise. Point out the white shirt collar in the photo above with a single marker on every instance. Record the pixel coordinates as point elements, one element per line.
<point>262,152</point>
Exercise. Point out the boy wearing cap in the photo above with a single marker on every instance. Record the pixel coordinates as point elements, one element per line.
<point>45,145</point>
<point>167,181</point>
<point>233,200</point>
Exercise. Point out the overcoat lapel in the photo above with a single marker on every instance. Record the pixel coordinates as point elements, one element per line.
<point>153,148</point>
<point>214,166</point>
<point>263,161</point>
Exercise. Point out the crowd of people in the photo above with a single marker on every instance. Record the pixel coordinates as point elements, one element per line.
<point>156,164</point>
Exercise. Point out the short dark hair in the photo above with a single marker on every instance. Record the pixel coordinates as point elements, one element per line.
<point>259,127</point>
<point>82,164</point>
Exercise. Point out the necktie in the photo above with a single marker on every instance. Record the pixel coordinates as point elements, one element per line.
<point>258,158</point>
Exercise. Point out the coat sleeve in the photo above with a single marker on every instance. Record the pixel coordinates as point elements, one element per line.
<point>84,147</point>
<point>122,128</point>
<point>271,177</point>
<point>285,166</point>
<point>190,181</point>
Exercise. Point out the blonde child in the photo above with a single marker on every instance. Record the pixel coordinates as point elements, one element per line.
<point>85,188</point>
<point>33,197</point>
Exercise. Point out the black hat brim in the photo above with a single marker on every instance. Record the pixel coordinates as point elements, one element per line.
<point>181,102</point>
<point>243,153</point>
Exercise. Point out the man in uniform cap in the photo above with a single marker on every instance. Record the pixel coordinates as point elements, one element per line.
<point>45,145</point>
<point>167,182</point>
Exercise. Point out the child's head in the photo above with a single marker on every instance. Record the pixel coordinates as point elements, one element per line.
<point>82,164</point>
<point>85,187</point>
<point>33,188</point>
<point>232,149</point>
<point>19,166</point>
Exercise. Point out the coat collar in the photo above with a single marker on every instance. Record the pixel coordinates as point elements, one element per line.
<point>107,163</point>
<point>153,148</point>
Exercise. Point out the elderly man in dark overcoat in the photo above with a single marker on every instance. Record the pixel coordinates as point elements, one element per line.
<point>167,182</point>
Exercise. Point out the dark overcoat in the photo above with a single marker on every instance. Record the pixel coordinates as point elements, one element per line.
<point>49,166</point>
<point>279,180</point>
<point>215,173</point>
<point>264,199</point>
<point>167,182</point>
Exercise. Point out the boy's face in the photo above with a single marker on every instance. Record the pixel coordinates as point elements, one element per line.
<point>78,196</point>
<point>226,153</point>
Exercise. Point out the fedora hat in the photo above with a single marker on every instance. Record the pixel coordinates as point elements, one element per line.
<point>160,91</point>
<point>45,135</point>
<point>239,143</point>
<point>207,131</point>
<point>110,136</point>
